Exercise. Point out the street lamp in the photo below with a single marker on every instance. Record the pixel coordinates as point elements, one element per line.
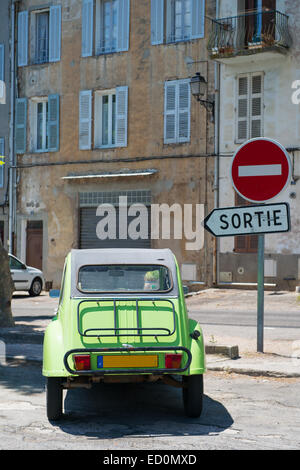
<point>198,86</point>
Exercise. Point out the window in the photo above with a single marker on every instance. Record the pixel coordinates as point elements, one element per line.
<point>177,20</point>
<point>42,37</point>
<point>105,119</point>
<point>2,160</point>
<point>14,263</point>
<point>111,26</point>
<point>39,36</point>
<point>249,122</point>
<point>244,243</point>
<point>177,111</point>
<point>41,123</point>
<point>110,118</point>
<point>124,278</point>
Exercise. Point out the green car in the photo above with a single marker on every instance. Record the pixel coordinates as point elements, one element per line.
<point>122,318</point>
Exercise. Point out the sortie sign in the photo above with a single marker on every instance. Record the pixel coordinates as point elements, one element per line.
<point>248,220</point>
<point>260,169</point>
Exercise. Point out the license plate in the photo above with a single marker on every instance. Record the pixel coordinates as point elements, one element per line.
<point>127,361</point>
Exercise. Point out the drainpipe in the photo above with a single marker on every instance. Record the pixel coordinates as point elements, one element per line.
<point>11,132</point>
<point>217,160</point>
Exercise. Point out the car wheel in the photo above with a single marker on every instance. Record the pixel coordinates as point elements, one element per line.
<point>54,394</point>
<point>192,392</point>
<point>36,287</point>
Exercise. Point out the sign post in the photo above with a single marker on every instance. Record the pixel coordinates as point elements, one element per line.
<point>260,170</point>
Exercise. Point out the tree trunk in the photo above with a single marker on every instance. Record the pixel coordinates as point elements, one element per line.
<point>6,290</point>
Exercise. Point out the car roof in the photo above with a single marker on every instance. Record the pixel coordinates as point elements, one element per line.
<point>142,256</point>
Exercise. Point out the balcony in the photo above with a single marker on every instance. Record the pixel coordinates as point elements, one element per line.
<point>249,33</point>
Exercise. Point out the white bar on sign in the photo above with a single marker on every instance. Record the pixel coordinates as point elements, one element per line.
<point>260,170</point>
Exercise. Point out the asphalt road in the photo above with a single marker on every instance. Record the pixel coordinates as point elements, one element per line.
<point>239,413</point>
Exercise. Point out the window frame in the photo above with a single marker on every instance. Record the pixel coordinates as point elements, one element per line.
<point>98,118</point>
<point>36,47</point>
<point>34,122</point>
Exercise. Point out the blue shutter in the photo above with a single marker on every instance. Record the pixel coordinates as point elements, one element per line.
<point>157,21</point>
<point>53,123</point>
<point>121,116</point>
<point>183,111</point>
<point>3,160</point>
<point>2,62</point>
<point>21,125</point>
<point>170,113</point>
<point>123,25</point>
<point>198,19</point>
<point>55,33</point>
<point>22,38</point>
<point>85,120</point>
<point>87,28</point>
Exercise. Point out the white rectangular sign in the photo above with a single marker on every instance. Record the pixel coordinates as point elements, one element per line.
<point>248,220</point>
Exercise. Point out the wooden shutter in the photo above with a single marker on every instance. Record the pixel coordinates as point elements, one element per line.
<point>87,28</point>
<point>183,111</point>
<point>244,243</point>
<point>157,21</point>
<point>22,38</point>
<point>121,116</point>
<point>123,25</point>
<point>198,19</point>
<point>55,33</point>
<point>2,166</point>
<point>242,130</point>
<point>53,123</point>
<point>256,106</point>
<point>85,119</point>
<point>21,125</point>
<point>170,113</point>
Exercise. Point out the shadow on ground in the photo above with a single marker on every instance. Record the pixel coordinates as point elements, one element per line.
<point>116,411</point>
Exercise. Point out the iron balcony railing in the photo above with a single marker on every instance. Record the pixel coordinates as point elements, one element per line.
<point>249,33</point>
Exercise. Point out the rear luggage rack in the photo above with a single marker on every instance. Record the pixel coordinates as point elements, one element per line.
<point>156,371</point>
<point>126,331</point>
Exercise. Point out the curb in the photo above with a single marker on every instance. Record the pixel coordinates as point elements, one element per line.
<point>253,372</point>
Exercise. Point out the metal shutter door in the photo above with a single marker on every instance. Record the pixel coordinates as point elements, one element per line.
<point>89,239</point>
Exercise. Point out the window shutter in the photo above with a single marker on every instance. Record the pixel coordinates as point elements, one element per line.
<point>1,166</point>
<point>242,109</point>
<point>85,119</point>
<point>21,125</point>
<point>198,19</point>
<point>55,33</point>
<point>53,123</point>
<point>87,28</point>
<point>2,62</point>
<point>256,106</point>
<point>123,25</point>
<point>170,113</point>
<point>170,36</point>
<point>121,116</point>
<point>22,38</point>
<point>157,21</point>
<point>183,111</point>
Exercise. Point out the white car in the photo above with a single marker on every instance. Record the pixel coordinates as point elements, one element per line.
<point>26,277</point>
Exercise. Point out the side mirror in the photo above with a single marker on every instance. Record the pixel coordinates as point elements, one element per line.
<point>54,293</point>
<point>185,290</point>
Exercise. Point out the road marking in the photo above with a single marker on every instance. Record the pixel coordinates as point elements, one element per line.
<point>260,170</point>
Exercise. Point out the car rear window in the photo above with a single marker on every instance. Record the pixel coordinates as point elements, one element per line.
<point>124,278</point>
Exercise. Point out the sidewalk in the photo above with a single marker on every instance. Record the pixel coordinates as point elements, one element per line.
<point>230,348</point>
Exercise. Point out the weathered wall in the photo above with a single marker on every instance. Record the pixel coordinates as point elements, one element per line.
<point>144,69</point>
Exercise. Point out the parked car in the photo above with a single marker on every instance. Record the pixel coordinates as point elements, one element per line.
<point>26,277</point>
<point>122,317</point>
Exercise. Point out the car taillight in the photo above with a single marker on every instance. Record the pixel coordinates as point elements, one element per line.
<point>82,362</point>
<point>173,361</point>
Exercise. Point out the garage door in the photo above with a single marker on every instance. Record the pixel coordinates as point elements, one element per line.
<point>89,220</point>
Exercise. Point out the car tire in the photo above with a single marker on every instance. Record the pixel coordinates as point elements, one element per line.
<point>192,393</point>
<point>36,287</point>
<point>54,398</point>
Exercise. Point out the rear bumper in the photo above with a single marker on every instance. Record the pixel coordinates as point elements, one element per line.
<point>115,371</point>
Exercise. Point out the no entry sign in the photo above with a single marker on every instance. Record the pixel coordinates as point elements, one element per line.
<point>260,169</point>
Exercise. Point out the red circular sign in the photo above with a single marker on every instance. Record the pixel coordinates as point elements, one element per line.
<point>260,169</point>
